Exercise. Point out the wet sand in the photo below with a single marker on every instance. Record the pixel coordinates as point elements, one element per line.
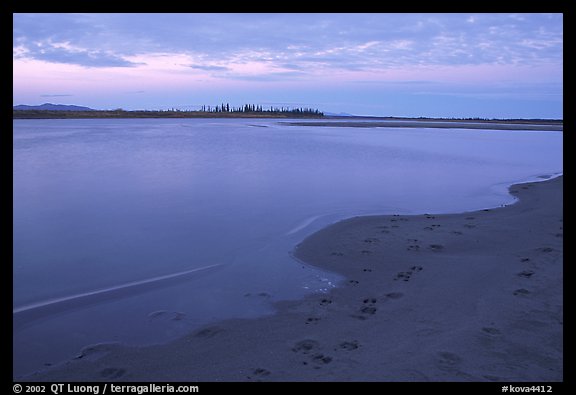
<point>475,296</point>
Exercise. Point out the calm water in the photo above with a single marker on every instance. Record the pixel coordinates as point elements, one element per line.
<point>140,230</point>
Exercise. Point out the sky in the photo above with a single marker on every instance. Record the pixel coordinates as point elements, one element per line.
<point>430,65</point>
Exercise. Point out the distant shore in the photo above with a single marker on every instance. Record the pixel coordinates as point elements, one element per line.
<point>323,120</point>
<point>475,296</point>
<point>120,114</point>
<point>545,125</point>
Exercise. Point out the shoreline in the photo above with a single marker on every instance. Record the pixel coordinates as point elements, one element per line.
<point>436,124</point>
<point>474,296</point>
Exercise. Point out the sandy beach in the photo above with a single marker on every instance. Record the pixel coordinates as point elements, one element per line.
<point>473,296</point>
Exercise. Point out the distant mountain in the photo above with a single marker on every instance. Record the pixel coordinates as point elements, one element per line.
<point>52,107</point>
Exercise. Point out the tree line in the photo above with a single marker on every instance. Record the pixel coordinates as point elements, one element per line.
<point>256,109</point>
<point>223,110</point>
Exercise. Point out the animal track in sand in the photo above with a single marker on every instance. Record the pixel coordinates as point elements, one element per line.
<point>371,240</point>
<point>491,331</point>
<point>394,295</point>
<point>436,247</point>
<point>525,260</point>
<point>261,372</point>
<point>457,232</point>
<point>112,373</point>
<point>349,345</point>
<point>367,309</point>
<point>321,359</point>
<point>312,320</point>
<point>448,361</point>
<point>366,270</point>
<point>208,332</point>
<point>305,346</point>
<point>369,306</point>
<point>469,226</point>
<point>526,273</point>
<point>545,249</point>
<point>413,246</point>
<point>405,276</point>
<point>96,351</point>
<point>325,302</point>
<point>521,292</point>
<point>353,282</point>
<point>311,348</point>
